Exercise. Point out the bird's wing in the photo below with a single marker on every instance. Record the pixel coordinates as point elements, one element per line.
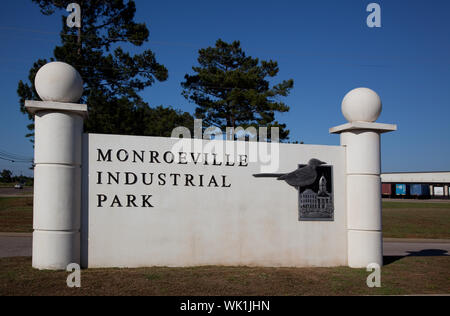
<point>268,175</point>
<point>301,177</point>
<point>299,173</point>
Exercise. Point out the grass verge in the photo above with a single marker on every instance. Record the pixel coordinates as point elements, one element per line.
<point>16,215</point>
<point>416,220</point>
<point>400,219</point>
<point>410,275</point>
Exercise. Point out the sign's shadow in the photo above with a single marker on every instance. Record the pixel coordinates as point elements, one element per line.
<point>422,253</point>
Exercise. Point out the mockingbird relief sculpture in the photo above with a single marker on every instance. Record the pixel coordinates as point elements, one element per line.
<point>314,185</point>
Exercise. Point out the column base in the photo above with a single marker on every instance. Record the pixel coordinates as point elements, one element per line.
<point>53,250</point>
<point>364,248</point>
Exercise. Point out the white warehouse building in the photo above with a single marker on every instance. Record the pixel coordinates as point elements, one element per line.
<point>416,184</point>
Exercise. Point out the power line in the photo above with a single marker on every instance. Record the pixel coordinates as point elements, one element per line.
<point>14,157</point>
<point>16,161</point>
<point>6,153</point>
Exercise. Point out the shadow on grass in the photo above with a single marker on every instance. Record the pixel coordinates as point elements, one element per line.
<point>422,253</point>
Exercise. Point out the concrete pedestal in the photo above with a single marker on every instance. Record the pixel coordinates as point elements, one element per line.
<point>361,137</point>
<point>57,195</point>
<point>364,224</point>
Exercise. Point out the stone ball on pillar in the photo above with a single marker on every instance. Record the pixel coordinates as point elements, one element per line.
<point>59,82</point>
<point>362,104</point>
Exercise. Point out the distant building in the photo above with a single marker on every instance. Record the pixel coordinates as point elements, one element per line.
<point>416,184</point>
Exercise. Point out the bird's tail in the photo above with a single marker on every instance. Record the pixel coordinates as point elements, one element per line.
<point>268,175</point>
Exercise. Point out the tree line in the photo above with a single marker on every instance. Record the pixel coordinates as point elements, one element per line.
<point>7,177</point>
<point>229,88</point>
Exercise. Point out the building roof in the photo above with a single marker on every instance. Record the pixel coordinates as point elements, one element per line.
<point>416,177</point>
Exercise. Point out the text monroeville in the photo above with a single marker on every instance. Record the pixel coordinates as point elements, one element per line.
<point>155,158</point>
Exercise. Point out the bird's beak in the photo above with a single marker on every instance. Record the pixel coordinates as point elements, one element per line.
<point>323,163</point>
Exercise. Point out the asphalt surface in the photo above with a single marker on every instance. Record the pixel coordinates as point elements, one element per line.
<point>15,246</point>
<point>11,192</point>
<point>416,249</point>
<point>19,245</point>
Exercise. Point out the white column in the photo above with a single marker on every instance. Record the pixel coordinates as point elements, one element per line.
<point>361,137</point>
<point>57,187</point>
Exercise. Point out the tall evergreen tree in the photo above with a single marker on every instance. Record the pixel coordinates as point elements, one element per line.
<point>113,77</point>
<point>232,89</point>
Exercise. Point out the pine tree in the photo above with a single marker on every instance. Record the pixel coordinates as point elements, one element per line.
<point>113,77</point>
<point>232,89</point>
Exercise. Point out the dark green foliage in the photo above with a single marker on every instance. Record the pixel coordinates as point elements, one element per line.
<point>232,89</point>
<point>113,77</point>
<point>6,176</point>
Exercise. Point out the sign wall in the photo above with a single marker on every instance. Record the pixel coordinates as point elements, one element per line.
<point>149,202</point>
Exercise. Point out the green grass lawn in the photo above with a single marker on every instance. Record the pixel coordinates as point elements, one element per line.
<point>410,275</point>
<point>16,215</point>
<point>400,219</point>
<point>416,220</point>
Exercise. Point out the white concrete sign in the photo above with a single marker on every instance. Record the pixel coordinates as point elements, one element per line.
<point>147,205</point>
<point>124,201</point>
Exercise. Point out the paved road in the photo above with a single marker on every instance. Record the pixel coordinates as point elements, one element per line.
<point>11,192</point>
<point>19,245</point>
<point>416,249</point>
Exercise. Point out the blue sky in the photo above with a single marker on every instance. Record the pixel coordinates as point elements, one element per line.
<point>325,46</point>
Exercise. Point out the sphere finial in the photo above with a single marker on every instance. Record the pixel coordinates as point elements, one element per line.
<point>362,104</point>
<point>59,82</point>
